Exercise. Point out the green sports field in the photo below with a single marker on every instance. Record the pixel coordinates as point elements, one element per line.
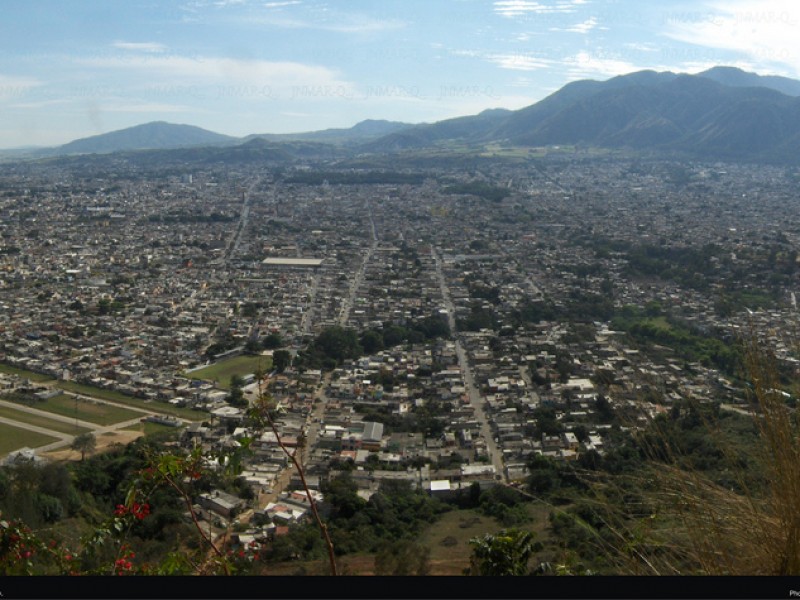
<point>119,397</point>
<point>93,412</point>
<point>222,371</point>
<point>14,438</point>
<point>41,421</point>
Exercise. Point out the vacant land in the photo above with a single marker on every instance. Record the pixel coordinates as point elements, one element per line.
<point>148,428</point>
<point>14,438</point>
<point>113,396</point>
<point>41,421</point>
<point>448,539</point>
<point>222,371</point>
<point>94,412</point>
<point>37,377</point>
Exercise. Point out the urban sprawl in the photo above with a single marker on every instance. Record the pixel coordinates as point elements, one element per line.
<point>502,311</point>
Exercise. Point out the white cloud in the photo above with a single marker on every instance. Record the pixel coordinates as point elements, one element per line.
<point>195,5</point>
<point>763,31</point>
<point>12,86</point>
<point>140,46</point>
<point>584,65</point>
<point>215,71</point>
<point>282,4</point>
<point>583,28</point>
<point>641,47</point>
<point>514,61</point>
<point>520,62</point>
<point>519,8</point>
<point>351,23</point>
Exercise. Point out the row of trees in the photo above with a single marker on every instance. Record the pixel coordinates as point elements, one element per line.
<point>336,344</point>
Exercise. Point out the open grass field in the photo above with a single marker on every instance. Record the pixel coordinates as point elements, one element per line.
<point>14,438</point>
<point>222,371</point>
<point>41,421</point>
<point>37,377</point>
<point>113,396</point>
<point>93,412</point>
<point>149,428</point>
<point>448,539</point>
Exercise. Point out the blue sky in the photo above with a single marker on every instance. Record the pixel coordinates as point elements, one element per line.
<point>73,69</point>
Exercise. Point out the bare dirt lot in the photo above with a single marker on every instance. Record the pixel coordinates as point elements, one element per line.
<point>104,442</point>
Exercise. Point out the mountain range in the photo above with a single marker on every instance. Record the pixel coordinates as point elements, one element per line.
<point>721,113</point>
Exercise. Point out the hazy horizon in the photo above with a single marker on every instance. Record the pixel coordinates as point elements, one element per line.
<point>239,67</point>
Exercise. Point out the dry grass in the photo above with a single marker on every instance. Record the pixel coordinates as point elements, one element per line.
<point>752,532</point>
<point>716,530</point>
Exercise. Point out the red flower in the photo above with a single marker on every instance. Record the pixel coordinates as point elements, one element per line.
<point>140,511</point>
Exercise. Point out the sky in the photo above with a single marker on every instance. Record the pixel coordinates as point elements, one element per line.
<point>74,69</point>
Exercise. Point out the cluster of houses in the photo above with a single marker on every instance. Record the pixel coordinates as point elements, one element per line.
<point>126,280</point>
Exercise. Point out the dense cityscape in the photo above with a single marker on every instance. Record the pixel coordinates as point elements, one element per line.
<point>437,327</point>
<point>467,289</point>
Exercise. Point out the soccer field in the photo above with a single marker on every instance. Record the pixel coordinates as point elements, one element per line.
<point>222,371</point>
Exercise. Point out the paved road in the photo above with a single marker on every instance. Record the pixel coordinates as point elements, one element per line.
<point>283,479</point>
<point>736,409</point>
<point>233,245</point>
<point>65,439</point>
<point>312,432</point>
<point>47,415</point>
<point>347,305</point>
<point>475,400</point>
<point>308,316</point>
<point>526,377</point>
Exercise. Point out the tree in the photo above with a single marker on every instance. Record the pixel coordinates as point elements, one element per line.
<point>372,341</point>
<point>341,493</point>
<point>338,343</point>
<point>252,346</point>
<point>236,395</point>
<point>84,443</point>
<point>281,359</point>
<point>505,553</point>
<point>272,341</point>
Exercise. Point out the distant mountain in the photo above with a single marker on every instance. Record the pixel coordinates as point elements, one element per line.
<point>737,78</point>
<point>721,113</point>
<point>255,151</point>
<point>150,136</point>
<point>693,115</point>
<point>160,135</point>
<point>464,129</point>
<point>358,133</point>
